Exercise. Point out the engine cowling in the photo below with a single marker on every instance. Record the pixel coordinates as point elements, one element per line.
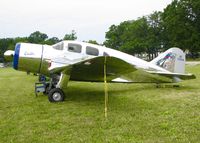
<point>28,57</point>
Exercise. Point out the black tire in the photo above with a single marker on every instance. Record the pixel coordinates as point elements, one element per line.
<point>56,95</point>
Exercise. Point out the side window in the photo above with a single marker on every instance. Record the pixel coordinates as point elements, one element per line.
<point>74,48</point>
<point>58,46</point>
<point>92,51</point>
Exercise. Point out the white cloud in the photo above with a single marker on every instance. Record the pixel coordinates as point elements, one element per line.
<point>89,18</point>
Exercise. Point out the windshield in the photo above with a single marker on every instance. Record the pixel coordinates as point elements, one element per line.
<point>58,46</point>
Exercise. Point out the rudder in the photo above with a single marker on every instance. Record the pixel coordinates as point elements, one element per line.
<point>172,60</point>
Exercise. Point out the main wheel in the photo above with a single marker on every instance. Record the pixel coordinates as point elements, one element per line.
<point>56,95</point>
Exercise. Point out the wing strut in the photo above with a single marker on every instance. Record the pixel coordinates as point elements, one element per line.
<point>105,89</point>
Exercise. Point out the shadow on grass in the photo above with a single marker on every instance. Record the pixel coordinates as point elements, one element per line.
<point>96,92</point>
<point>118,100</point>
<point>136,95</point>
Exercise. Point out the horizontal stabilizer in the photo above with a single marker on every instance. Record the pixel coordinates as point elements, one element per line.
<point>175,75</point>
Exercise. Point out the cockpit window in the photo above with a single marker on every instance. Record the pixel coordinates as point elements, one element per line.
<point>92,51</point>
<point>74,48</point>
<point>59,46</point>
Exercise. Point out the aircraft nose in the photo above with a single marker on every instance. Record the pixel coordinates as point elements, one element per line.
<point>8,55</point>
<point>16,56</point>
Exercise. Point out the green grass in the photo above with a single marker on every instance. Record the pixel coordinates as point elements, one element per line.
<point>137,112</point>
<point>191,59</point>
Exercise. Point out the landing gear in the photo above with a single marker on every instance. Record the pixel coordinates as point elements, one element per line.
<point>53,88</point>
<point>56,95</point>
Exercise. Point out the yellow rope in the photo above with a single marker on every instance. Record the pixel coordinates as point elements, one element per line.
<point>105,89</point>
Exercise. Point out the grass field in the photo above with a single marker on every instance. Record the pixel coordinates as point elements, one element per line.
<point>137,112</point>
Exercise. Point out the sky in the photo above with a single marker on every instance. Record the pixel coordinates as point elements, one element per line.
<point>89,18</point>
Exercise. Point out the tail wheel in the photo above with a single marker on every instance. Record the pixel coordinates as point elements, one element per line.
<point>56,95</point>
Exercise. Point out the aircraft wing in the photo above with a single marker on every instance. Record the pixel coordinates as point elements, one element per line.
<point>118,70</point>
<point>93,69</point>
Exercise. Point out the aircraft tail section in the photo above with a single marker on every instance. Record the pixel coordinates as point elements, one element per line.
<point>172,60</point>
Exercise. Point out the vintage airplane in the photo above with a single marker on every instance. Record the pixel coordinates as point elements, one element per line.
<point>79,61</point>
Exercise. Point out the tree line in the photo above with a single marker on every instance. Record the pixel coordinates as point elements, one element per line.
<point>35,37</point>
<point>177,26</point>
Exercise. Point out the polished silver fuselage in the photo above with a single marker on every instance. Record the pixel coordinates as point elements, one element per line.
<point>73,58</point>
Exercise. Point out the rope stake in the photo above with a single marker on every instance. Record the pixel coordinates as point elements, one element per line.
<point>105,88</point>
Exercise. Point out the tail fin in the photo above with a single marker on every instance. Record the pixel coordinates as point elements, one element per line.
<point>172,60</point>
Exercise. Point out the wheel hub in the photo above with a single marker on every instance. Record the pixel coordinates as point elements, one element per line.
<point>57,96</point>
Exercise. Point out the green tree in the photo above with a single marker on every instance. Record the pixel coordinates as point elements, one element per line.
<point>181,25</point>
<point>192,8</point>
<point>6,44</point>
<point>93,42</point>
<point>52,41</point>
<point>71,36</point>
<point>129,36</point>
<point>37,37</point>
<point>135,37</point>
<point>114,35</point>
<point>177,26</point>
<point>21,39</point>
<point>154,39</point>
